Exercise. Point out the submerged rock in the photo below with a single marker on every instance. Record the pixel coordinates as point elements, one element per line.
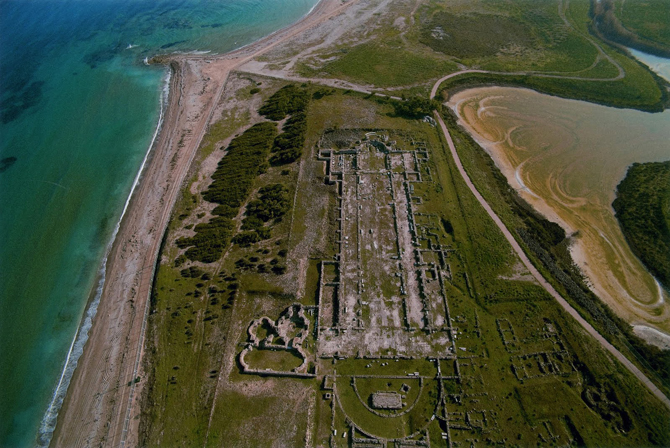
<point>6,163</point>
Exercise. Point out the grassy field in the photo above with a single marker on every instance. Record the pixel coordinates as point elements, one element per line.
<point>526,36</point>
<point>639,89</point>
<point>198,395</point>
<point>499,36</point>
<point>387,65</point>
<point>648,19</point>
<point>642,24</point>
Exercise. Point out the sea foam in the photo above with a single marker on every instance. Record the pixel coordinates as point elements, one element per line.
<point>48,424</point>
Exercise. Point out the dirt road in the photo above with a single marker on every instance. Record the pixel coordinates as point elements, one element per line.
<point>540,279</point>
<point>102,407</point>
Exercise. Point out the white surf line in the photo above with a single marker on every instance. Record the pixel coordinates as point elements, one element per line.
<point>165,102</point>
<point>48,424</point>
<point>540,279</point>
<point>245,46</point>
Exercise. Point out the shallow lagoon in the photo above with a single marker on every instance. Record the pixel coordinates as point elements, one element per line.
<point>566,158</point>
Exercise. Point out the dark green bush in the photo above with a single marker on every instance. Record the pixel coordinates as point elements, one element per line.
<point>415,107</point>
<point>237,170</point>
<point>286,101</point>
<point>232,181</point>
<point>290,100</point>
<point>192,272</point>
<point>273,202</point>
<point>643,209</point>
<point>246,239</point>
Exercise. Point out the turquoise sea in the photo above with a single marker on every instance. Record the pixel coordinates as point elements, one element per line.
<point>78,111</point>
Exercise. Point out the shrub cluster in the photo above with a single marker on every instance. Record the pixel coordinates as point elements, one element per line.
<point>192,272</point>
<point>263,265</point>
<point>286,101</point>
<point>288,145</point>
<point>233,178</point>
<point>272,203</point>
<point>642,200</point>
<point>289,100</point>
<point>246,158</point>
<point>415,107</point>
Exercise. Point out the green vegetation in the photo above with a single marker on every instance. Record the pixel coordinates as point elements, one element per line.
<point>197,394</point>
<point>638,90</point>
<point>548,248</point>
<point>386,65</point>
<point>192,272</point>
<point>186,308</point>
<point>500,36</point>
<point>289,100</point>
<point>287,147</point>
<point>520,36</point>
<point>286,101</point>
<point>190,323</point>
<point>272,203</point>
<point>278,360</point>
<point>643,209</point>
<point>415,107</point>
<point>232,181</point>
<point>246,158</point>
<point>388,426</point>
<point>468,36</point>
<point>644,24</point>
<point>649,19</point>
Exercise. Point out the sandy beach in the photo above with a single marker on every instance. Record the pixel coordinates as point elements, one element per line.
<point>102,403</point>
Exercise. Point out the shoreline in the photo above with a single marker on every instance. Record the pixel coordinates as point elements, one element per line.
<point>101,404</point>
<point>632,368</point>
<point>630,310</point>
<point>48,423</point>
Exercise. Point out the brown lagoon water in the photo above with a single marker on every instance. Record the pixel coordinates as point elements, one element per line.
<point>566,158</point>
